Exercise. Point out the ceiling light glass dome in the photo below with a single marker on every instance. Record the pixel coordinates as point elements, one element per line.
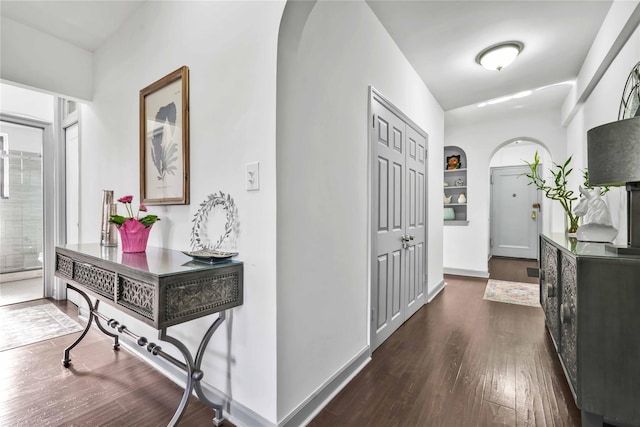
<point>498,56</point>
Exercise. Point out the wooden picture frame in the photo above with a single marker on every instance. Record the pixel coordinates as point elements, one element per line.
<point>164,140</point>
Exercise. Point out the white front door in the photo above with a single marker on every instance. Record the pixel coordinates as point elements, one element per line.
<point>514,213</point>
<point>398,218</point>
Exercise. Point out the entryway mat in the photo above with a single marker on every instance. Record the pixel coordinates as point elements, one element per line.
<point>30,322</point>
<point>513,292</point>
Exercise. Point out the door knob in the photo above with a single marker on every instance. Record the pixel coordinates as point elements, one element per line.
<point>406,238</point>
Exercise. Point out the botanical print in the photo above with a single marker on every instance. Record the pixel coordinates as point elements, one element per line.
<point>164,152</point>
<point>164,162</point>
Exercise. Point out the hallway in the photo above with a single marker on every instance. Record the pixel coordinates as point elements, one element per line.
<point>459,361</point>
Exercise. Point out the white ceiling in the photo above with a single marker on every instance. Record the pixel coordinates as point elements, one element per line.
<point>439,38</point>
<point>86,24</point>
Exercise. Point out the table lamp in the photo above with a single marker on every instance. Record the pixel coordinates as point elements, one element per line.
<point>614,160</point>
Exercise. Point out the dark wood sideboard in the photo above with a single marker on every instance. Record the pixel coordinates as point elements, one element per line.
<point>591,302</point>
<point>160,287</point>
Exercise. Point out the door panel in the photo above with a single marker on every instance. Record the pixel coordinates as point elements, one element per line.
<point>399,154</point>
<point>416,168</point>
<point>383,195</point>
<point>382,286</point>
<point>514,220</point>
<point>388,212</point>
<point>398,224</point>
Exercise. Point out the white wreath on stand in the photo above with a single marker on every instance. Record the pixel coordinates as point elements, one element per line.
<point>199,238</point>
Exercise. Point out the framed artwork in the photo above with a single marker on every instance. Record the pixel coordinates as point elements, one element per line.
<point>164,140</point>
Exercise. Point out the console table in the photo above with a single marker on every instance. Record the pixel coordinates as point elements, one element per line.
<point>159,287</point>
<point>590,299</point>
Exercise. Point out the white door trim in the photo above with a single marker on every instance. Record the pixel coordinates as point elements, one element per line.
<point>52,204</point>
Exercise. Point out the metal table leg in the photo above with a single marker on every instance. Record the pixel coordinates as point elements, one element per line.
<point>191,366</point>
<point>194,374</point>
<point>66,360</point>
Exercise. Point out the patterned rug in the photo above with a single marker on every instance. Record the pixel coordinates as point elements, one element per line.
<point>513,292</point>
<point>31,322</point>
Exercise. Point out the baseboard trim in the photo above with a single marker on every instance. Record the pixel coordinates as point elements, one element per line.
<point>434,293</point>
<point>308,409</point>
<point>464,272</point>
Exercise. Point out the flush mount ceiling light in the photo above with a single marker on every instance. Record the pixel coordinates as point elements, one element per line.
<point>499,55</point>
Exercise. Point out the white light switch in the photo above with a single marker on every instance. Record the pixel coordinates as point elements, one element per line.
<point>253,176</point>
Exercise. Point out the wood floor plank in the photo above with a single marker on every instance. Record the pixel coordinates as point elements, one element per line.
<point>497,415</point>
<point>460,361</point>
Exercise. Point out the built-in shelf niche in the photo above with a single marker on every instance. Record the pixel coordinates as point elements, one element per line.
<point>455,184</point>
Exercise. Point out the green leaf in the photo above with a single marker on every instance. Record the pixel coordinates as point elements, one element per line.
<point>117,219</point>
<point>149,220</point>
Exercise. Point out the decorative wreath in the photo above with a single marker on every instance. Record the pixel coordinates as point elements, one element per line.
<point>199,239</point>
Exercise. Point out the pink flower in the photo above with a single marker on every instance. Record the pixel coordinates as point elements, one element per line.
<point>125,221</point>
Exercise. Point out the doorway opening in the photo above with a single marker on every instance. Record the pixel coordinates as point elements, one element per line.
<point>32,208</point>
<point>518,211</point>
<point>21,208</point>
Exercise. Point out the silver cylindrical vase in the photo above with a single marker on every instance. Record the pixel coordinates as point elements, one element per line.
<point>108,232</point>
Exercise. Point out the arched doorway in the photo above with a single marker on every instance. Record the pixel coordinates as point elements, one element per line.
<point>517,210</point>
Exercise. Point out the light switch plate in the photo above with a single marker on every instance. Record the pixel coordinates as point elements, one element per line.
<point>253,176</point>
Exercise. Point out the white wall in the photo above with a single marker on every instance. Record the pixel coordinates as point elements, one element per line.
<point>515,154</point>
<point>33,58</point>
<point>602,107</point>
<point>466,249</point>
<point>23,102</point>
<point>335,50</point>
<point>231,51</point>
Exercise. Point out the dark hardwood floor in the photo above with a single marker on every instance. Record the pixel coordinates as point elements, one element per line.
<point>459,361</point>
<point>101,388</point>
<point>512,269</point>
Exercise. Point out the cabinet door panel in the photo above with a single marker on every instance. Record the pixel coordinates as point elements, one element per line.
<point>569,317</point>
<point>549,289</point>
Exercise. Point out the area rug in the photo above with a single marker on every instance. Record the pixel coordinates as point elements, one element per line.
<point>31,322</point>
<point>513,292</point>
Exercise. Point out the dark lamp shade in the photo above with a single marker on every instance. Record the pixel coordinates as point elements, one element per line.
<point>614,153</point>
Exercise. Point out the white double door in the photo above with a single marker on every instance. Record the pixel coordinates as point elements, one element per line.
<point>398,221</point>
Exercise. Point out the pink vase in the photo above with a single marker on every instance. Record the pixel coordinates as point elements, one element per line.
<point>134,236</point>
